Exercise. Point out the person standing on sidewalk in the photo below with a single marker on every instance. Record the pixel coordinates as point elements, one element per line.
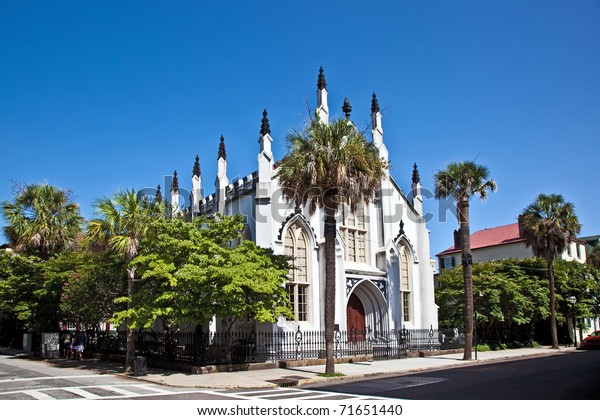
<point>79,343</point>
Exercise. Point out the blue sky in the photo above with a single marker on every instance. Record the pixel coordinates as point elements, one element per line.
<point>97,96</point>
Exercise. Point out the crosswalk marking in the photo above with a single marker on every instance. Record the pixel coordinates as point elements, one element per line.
<point>36,394</point>
<point>122,391</point>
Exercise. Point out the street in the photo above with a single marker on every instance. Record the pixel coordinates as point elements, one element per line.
<point>24,379</point>
<point>567,376</point>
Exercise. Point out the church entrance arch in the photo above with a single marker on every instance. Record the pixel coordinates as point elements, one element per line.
<point>366,312</point>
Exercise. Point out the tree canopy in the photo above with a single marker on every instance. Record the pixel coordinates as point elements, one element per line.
<point>190,272</point>
<point>42,220</point>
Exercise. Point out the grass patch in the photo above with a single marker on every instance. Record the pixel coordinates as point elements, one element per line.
<point>331,375</point>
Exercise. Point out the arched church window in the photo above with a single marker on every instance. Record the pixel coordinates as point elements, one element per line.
<point>298,283</point>
<point>405,285</point>
<point>354,231</point>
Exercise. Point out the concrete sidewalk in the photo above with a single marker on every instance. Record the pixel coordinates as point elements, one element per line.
<point>297,376</point>
<point>269,378</point>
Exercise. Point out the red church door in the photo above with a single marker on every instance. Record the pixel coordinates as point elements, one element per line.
<point>355,319</point>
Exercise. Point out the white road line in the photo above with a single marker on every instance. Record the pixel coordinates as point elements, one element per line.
<point>38,395</point>
<point>81,392</point>
<point>45,378</point>
<point>124,392</point>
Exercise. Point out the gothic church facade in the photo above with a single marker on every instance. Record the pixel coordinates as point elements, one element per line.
<point>384,278</point>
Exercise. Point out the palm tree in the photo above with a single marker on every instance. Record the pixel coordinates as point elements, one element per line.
<point>461,181</point>
<point>328,165</point>
<point>548,224</point>
<point>42,219</point>
<point>120,224</point>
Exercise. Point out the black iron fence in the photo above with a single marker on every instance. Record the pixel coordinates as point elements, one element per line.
<point>213,348</point>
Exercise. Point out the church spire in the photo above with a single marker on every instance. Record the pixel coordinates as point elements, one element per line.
<point>374,104</point>
<point>347,108</point>
<point>416,179</point>
<point>321,82</point>
<point>222,153</point>
<point>196,170</point>
<point>322,107</point>
<point>265,128</point>
<point>175,183</point>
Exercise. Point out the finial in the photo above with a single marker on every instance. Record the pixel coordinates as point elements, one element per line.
<point>158,197</point>
<point>264,126</point>
<point>222,153</point>
<point>347,108</point>
<point>321,83</point>
<point>374,104</point>
<point>196,170</point>
<point>175,182</point>
<point>415,175</point>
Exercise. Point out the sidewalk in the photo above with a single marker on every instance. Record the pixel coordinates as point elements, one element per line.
<point>270,378</point>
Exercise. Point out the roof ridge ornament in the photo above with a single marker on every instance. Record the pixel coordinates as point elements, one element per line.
<point>415,175</point>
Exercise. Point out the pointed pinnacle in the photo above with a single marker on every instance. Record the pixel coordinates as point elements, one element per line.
<point>374,104</point>
<point>265,128</point>
<point>222,153</point>
<point>347,108</point>
<point>196,170</point>
<point>321,83</point>
<point>415,175</point>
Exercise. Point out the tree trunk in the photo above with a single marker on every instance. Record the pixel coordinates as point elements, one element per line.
<point>467,265</point>
<point>330,234</point>
<point>553,331</point>
<point>130,348</point>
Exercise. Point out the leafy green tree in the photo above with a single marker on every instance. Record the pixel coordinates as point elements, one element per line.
<point>461,181</point>
<point>91,281</point>
<point>42,219</point>
<point>22,295</point>
<point>189,272</point>
<point>120,224</point>
<point>549,224</point>
<point>326,166</point>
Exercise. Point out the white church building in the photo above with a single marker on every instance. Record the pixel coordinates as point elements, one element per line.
<point>384,267</point>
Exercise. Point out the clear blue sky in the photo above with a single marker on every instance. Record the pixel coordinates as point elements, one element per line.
<point>97,96</point>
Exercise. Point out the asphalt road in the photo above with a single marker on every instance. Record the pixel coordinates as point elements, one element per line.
<point>566,376</point>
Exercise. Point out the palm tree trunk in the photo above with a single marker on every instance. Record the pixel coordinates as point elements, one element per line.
<point>330,233</point>
<point>467,265</point>
<point>553,332</point>
<point>130,347</point>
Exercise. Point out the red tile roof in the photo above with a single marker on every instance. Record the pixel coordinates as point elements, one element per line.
<point>491,237</point>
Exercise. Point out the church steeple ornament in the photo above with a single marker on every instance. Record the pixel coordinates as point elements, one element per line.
<point>374,104</point>
<point>196,170</point>
<point>321,82</point>
<point>347,108</point>
<point>175,182</point>
<point>222,153</point>
<point>416,179</point>
<point>265,128</point>
<point>158,197</point>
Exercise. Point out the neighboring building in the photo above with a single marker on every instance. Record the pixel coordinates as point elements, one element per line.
<point>500,243</point>
<point>590,243</point>
<point>384,268</point>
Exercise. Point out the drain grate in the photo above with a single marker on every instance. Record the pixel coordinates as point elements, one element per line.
<point>284,382</point>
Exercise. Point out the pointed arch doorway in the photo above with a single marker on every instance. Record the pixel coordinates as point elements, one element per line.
<point>355,319</point>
